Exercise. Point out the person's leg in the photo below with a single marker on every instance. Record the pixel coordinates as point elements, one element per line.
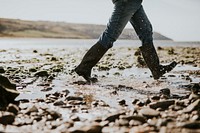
<point>123,11</point>
<point>143,28</point>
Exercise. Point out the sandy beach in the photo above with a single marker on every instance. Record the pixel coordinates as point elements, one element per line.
<point>125,99</point>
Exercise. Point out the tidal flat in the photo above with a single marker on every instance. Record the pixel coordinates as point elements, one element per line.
<point>53,98</point>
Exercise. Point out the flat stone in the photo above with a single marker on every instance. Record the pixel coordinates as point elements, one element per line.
<point>58,103</point>
<point>193,106</point>
<point>47,89</point>
<point>140,118</point>
<point>113,117</point>
<point>149,113</point>
<point>161,104</point>
<point>32,109</point>
<point>42,74</point>
<point>74,98</point>
<point>92,128</point>
<point>191,125</point>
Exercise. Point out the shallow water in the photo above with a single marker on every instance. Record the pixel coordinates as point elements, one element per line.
<point>27,43</point>
<point>137,78</point>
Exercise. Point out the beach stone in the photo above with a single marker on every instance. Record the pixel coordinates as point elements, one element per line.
<point>139,118</point>
<point>8,91</point>
<point>89,128</point>
<point>135,101</point>
<point>13,109</point>
<point>195,88</point>
<point>194,96</point>
<point>6,118</point>
<point>74,118</point>
<point>42,74</point>
<point>47,89</point>
<point>140,103</point>
<point>122,122</point>
<point>162,104</point>
<point>193,106</point>
<point>113,117</point>
<point>31,110</point>
<point>65,92</point>
<point>2,70</point>
<point>156,98</point>
<point>58,103</point>
<point>165,91</point>
<point>74,98</point>
<point>191,125</point>
<point>148,101</point>
<point>32,70</point>
<point>55,115</point>
<point>122,102</point>
<point>149,113</point>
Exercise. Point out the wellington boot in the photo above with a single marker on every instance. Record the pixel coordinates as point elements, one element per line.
<point>151,58</point>
<point>91,58</point>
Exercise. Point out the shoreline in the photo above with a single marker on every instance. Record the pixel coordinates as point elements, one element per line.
<point>123,100</point>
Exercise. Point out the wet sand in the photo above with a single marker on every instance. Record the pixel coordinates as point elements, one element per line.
<point>54,99</point>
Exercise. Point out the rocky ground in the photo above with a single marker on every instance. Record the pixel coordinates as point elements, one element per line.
<point>126,99</point>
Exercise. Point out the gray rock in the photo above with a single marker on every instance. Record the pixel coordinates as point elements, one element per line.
<point>149,113</point>
<point>161,104</point>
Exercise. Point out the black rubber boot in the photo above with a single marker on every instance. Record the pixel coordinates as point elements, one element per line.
<point>91,58</point>
<point>151,58</point>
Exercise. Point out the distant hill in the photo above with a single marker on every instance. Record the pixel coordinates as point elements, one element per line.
<point>47,29</point>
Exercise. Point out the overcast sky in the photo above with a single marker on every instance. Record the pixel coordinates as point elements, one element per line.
<point>177,19</point>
